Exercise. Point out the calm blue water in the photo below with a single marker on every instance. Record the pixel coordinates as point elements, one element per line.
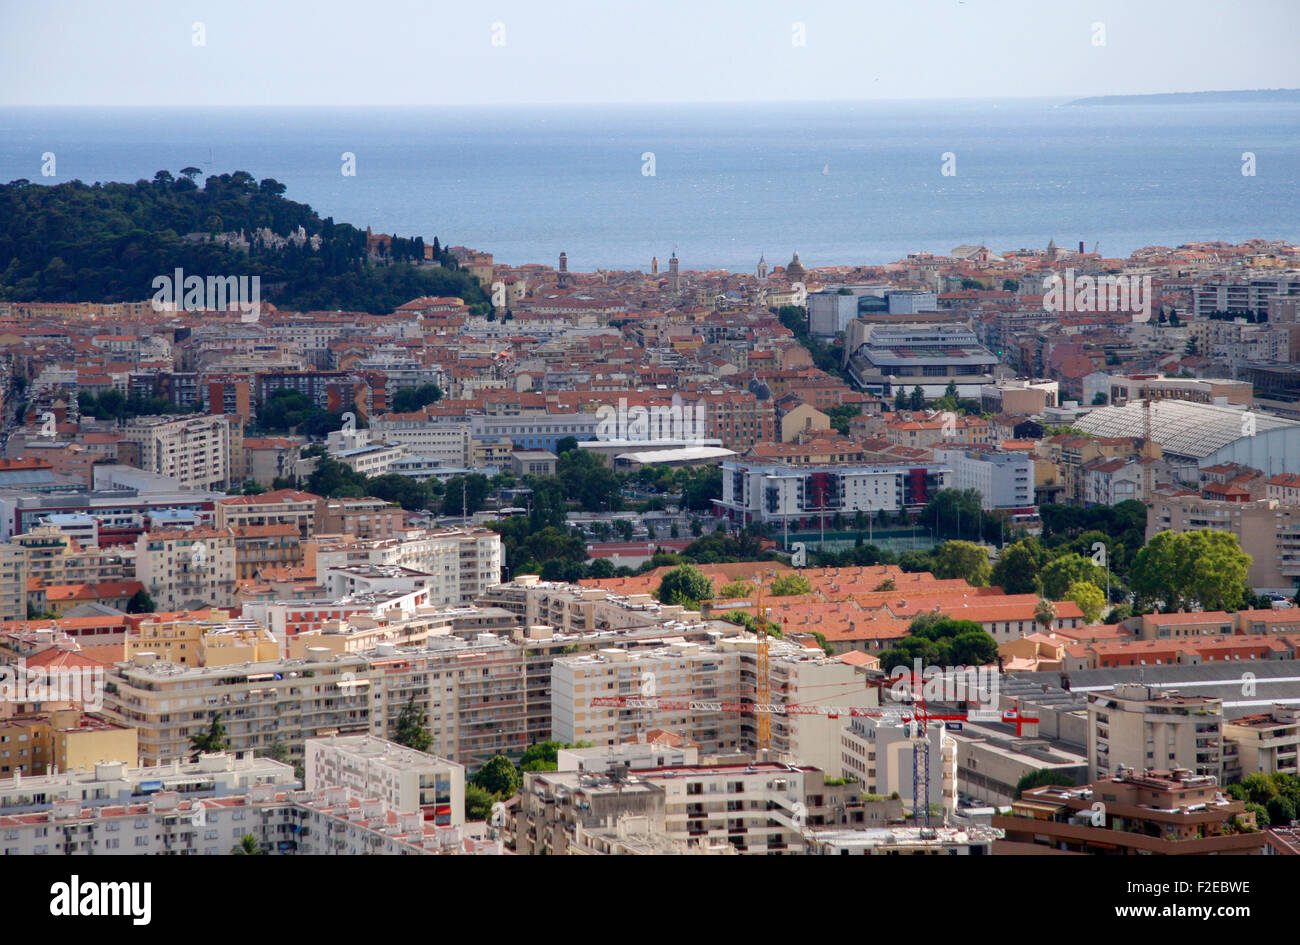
<point>731,181</point>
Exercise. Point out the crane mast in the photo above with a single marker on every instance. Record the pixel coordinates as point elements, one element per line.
<point>763,682</point>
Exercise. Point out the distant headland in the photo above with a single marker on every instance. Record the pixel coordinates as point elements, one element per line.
<point>1193,98</point>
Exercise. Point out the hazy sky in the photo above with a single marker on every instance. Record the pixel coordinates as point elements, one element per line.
<point>401,52</point>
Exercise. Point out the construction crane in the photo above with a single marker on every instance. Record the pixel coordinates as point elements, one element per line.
<point>913,715</point>
<point>917,733</point>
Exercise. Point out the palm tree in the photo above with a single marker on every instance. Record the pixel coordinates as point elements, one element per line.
<point>247,846</point>
<point>1045,613</point>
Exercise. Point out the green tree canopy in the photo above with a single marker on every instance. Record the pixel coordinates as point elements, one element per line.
<point>1041,777</point>
<point>685,585</point>
<point>1180,570</point>
<point>499,776</point>
<point>734,589</point>
<point>1016,571</point>
<point>1089,597</point>
<point>789,585</point>
<point>108,242</point>
<point>588,481</point>
<point>962,559</point>
<point>939,640</point>
<point>955,513</point>
<point>412,729</point>
<point>210,741</point>
<point>140,603</point>
<point>411,399</point>
<point>465,494</point>
<point>478,802</point>
<point>1057,575</point>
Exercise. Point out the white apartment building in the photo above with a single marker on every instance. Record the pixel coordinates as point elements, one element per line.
<point>373,459</point>
<point>214,775</point>
<point>779,493</point>
<point>280,820</point>
<point>115,810</point>
<point>536,431</point>
<point>1110,481</point>
<point>647,754</point>
<point>187,570</point>
<point>473,694</point>
<point>571,608</point>
<point>449,443</point>
<point>1003,480</point>
<point>372,579</point>
<point>1141,727</point>
<point>1242,294</point>
<point>725,671</point>
<point>461,563</point>
<point>284,701</point>
<point>287,619</point>
<point>878,752</point>
<point>1267,743</point>
<point>314,338</point>
<point>760,808</point>
<point>195,451</point>
<point>13,582</point>
<point>408,781</point>
<point>677,671</point>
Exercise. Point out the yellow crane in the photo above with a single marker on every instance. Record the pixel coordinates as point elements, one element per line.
<point>763,696</point>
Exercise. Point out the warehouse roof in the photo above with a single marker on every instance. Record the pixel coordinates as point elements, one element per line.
<point>1180,427</point>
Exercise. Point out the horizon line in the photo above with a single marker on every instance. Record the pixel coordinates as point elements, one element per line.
<point>645,103</point>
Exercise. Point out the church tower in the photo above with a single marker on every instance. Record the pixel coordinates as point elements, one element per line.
<point>564,271</point>
<point>762,266</point>
<point>674,276</point>
<point>654,265</point>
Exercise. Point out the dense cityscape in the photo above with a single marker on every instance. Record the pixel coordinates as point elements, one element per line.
<point>592,430</point>
<point>929,557</point>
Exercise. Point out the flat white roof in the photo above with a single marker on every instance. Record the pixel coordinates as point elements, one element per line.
<point>677,455</point>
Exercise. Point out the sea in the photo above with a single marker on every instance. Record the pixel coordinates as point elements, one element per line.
<point>840,183</point>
